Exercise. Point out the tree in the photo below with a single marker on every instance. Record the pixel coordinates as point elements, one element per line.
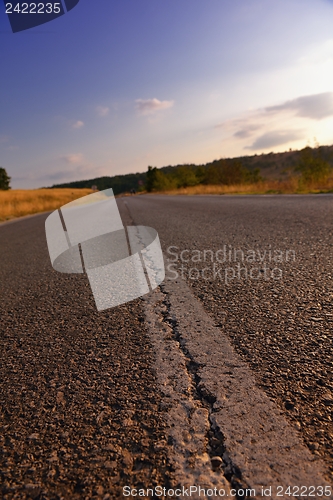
<point>158,181</point>
<point>184,176</point>
<point>313,167</point>
<point>233,173</point>
<point>225,172</point>
<point>150,178</point>
<point>4,179</point>
<point>252,176</point>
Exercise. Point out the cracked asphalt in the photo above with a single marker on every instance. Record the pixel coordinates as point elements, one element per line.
<point>281,327</point>
<point>81,413</point>
<point>80,409</point>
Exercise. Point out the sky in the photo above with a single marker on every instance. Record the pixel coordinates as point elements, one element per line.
<point>116,85</point>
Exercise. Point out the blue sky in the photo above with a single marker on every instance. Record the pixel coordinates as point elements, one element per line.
<point>116,85</point>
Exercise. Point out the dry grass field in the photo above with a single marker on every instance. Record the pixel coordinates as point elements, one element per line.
<point>290,186</point>
<point>18,202</point>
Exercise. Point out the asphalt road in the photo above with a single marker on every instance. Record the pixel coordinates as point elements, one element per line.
<point>280,323</point>
<point>81,413</point>
<point>79,406</point>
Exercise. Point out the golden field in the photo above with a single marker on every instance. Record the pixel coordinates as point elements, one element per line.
<point>18,202</point>
<point>290,186</point>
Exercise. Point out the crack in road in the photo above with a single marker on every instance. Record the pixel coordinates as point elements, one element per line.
<point>260,447</point>
<point>201,375</point>
<point>216,448</point>
<point>186,412</point>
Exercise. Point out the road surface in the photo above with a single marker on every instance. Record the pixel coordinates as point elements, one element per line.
<point>223,377</point>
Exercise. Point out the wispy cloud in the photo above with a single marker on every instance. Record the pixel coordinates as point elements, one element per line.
<point>315,106</point>
<point>74,158</point>
<point>280,124</point>
<point>151,106</point>
<point>275,138</point>
<point>246,131</point>
<point>78,124</point>
<point>102,111</point>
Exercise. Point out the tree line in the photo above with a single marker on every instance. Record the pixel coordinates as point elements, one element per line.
<point>217,172</point>
<point>311,165</point>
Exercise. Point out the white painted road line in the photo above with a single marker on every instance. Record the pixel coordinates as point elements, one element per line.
<point>187,418</point>
<point>261,449</point>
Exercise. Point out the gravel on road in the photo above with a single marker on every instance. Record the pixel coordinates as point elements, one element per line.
<point>281,327</point>
<point>80,412</point>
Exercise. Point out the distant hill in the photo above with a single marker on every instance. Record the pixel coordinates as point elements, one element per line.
<point>119,183</point>
<point>277,166</point>
<point>281,165</point>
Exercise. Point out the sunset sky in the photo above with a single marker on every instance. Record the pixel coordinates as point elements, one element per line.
<point>116,85</point>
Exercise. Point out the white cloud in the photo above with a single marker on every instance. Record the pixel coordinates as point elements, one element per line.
<point>73,158</point>
<point>276,138</point>
<point>319,53</point>
<point>151,106</point>
<point>102,111</point>
<point>315,106</point>
<point>292,121</point>
<point>246,131</point>
<point>78,124</point>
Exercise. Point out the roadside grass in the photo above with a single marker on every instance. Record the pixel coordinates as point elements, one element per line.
<point>19,202</point>
<point>292,185</point>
